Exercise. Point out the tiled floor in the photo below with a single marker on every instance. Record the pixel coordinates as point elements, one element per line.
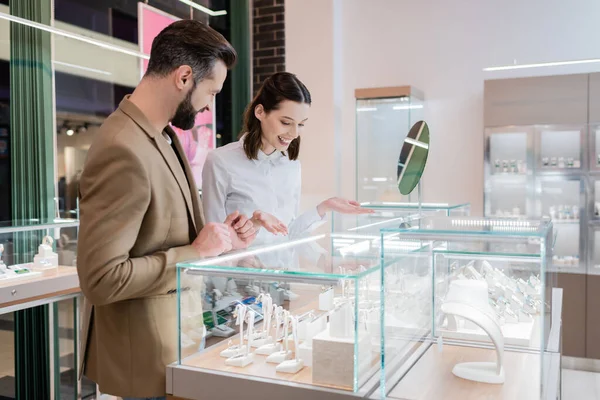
<point>580,385</point>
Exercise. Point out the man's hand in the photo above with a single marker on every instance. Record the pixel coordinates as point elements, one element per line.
<point>241,230</point>
<point>214,239</point>
<point>342,206</point>
<point>269,222</point>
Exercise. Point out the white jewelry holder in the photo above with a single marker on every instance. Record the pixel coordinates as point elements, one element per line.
<point>45,259</point>
<point>341,322</point>
<point>245,357</point>
<point>263,338</point>
<point>469,300</point>
<point>234,350</point>
<point>304,351</point>
<point>326,300</point>
<point>295,365</point>
<point>286,354</point>
<point>274,346</point>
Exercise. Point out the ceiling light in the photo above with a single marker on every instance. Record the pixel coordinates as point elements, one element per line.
<point>204,9</point>
<point>540,65</point>
<point>70,132</point>
<point>97,71</point>
<point>411,107</point>
<point>71,35</point>
<point>363,109</point>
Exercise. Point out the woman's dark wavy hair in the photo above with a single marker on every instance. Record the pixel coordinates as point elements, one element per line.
<point>274,90</point>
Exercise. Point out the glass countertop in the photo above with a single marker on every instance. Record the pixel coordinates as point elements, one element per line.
<point>475,226</point>
<point>328,257</point>
<point>413,206</point>
<point>36,224</point>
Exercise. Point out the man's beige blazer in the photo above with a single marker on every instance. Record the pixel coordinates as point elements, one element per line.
<point>139,212</point>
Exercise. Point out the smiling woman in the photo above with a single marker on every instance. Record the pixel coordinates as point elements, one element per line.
<point>260,175</point>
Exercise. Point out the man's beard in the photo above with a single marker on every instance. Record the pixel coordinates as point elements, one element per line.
<point>185,115</point>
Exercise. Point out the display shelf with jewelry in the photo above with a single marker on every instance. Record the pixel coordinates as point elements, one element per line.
<point>477,283</point>
<point>555,184</point>
<point>323,335</point>
<point>30,249</point>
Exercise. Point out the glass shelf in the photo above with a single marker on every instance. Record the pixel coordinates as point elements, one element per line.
<point>507,196</point>
<point>560,150</point>
<point>508,153</point>
<point>594,132</point>
<point>36,224</point>
<point>448,209</point>
<point>594,262</point>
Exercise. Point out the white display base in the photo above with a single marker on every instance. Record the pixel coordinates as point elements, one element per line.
<point>333,359</point>
<point>231,351</point>
<point>523,334</point>
<point>485,372</point>
<point>44,267</point>
<point>290,366</point>
<point>280,356</point>
<point>305,353</point>
<point>268,349</point>
<point>240,361</point>
<point>262,342</point>
<point>326,300</point>
<point>12,276</point>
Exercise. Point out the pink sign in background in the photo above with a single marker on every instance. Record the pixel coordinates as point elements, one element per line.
<point>198,141</point>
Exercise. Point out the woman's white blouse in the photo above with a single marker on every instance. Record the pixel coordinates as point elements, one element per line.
<point>231,182</point>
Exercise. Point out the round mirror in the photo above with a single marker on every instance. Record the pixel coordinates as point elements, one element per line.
<point>413,157</point>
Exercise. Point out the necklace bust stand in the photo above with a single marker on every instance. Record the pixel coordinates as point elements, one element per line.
<point>234,350</point>
<point>262,337</point>
<point>45,259</point>
<point>295,365</point>
<point>273,346</point>
<point>245,357</point>
<point>280,356</point>
<point>469,300</point>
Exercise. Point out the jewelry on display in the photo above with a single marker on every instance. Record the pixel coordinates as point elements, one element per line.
<point>245,357</point>
<point>45,259</point>
<point>233,350</point>
<point>273,346</point>
<point>280,356</point>
<point>295,365</point>
<point>262,337</point>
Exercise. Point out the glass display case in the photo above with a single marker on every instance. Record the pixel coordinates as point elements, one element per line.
<point>467,302</point>
<point>594,148</point>
<point>508,172</point>
<point>384,117</point>
<point>594,249</point>
<point>386,213</point>
<point>304,311</point>
<point>37,267</point>
<point>32,248</point>
<point>551,183</point>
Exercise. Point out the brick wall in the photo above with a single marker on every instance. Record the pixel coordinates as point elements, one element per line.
<point>268,40</point>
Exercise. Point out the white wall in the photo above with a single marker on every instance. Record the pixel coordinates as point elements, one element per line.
<point>439,47</point>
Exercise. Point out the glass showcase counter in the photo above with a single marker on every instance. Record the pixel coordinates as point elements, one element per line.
<point>37,271</point>
<point>299,315</point>
<point>474,297</point>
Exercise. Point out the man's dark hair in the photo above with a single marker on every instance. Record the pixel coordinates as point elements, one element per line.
<point>189,42</point>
